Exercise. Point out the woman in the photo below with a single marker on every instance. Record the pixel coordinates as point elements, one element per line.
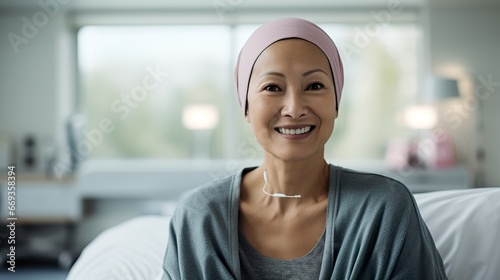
<point>295,216</point>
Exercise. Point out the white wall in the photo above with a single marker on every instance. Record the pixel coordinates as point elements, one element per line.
<point>464,42</point>
<point>36,84</point>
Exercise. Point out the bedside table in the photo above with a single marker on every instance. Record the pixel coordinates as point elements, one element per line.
<point>46,211</point>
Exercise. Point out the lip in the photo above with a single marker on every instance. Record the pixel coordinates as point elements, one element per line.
<point>295,136</point>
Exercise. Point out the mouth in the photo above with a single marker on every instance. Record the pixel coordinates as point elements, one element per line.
<point>295,131</point>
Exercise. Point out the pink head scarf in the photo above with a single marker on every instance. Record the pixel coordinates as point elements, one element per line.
<point>279,29</point>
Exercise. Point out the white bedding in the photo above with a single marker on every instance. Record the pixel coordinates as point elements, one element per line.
<point>465,225</point>
<point>130,251</point>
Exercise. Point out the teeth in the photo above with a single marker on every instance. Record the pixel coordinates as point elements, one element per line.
<point>295,131</point>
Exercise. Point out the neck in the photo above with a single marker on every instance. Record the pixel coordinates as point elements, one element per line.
<point>307,178</point>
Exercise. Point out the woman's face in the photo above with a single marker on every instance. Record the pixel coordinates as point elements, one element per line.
<point>291,100</point>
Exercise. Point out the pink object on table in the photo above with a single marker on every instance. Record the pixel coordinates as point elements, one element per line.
<point>444,151</point>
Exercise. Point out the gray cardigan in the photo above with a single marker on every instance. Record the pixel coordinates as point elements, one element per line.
<point>373,231</point>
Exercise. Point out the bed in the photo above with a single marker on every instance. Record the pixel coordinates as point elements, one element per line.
<point>465,225</point>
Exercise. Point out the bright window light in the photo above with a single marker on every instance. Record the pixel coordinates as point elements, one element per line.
<point>200,116</point>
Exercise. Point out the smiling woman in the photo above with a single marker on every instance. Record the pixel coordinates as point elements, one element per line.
<point>295,216</point>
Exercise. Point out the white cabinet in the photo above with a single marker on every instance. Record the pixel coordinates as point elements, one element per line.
<point>42,200</point>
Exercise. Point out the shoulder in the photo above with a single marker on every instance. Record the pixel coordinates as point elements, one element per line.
<point>208,195</point>
<point>368,182</point>
<point>375,188</point>
<point>375,201</point>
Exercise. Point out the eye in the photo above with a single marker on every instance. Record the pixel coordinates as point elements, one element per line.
<point>315,86</point>
<point>271,88</point>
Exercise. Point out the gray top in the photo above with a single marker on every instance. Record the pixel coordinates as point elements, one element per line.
<point>373,231</point>
<point>257,266</point>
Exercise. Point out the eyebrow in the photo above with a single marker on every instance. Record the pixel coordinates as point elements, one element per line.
<point>303,75</point>
<point>313,71</point>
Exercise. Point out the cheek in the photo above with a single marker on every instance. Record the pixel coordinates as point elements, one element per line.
<point>258,108</point>
<point>260,116</point>
<point>325,106</point>
<point>327,114</point>
<point>328,125</point>
<point>254,114</point>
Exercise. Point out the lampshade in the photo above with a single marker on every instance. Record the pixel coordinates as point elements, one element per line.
<point>440,88</point>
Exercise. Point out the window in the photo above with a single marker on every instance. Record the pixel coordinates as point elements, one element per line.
<point>144,78</point>
<point>148,82</point>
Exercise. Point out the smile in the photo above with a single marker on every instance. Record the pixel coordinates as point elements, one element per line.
<point>296,131</point>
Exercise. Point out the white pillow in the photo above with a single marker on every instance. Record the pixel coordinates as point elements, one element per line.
<point>132,250</point>
<point>465,225</point>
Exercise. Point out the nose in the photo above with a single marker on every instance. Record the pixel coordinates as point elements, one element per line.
<point>294,105</point>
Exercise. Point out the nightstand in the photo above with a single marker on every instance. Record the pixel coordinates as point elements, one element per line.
<point>46,211</point>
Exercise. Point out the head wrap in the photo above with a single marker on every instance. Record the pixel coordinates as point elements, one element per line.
<point>280,29</point>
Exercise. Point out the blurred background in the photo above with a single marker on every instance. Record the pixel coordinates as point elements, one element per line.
<point>113,109</point>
